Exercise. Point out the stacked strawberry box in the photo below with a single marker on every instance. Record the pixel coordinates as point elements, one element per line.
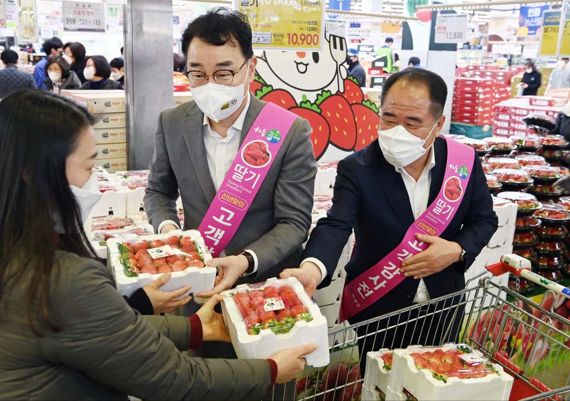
<point>473,101</point>
<point>273,316</point>
<point>508,115</point>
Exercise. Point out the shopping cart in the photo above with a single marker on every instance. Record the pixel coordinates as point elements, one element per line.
<point>531,343</point>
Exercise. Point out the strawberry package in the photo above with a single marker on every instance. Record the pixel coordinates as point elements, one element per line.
<point>138,261</point>
<point>450,372</point>
<point>379,375</point>
<point>268,317</point>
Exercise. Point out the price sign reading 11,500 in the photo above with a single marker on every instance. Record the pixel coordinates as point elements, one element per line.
<point>302,39</point>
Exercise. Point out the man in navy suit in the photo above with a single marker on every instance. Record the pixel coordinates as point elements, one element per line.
<point>379,192</point>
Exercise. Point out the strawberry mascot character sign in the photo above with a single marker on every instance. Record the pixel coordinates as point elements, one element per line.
<point>316,87</point>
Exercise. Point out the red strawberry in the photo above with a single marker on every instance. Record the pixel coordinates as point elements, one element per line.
<point>280,97</point>
<point>255,86</point>
<point>338,114</point>
<point>352,91</point>
<point>367,123</point>
<point>321,130</point>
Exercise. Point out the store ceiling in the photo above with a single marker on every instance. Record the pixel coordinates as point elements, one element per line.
<point>395,7</point>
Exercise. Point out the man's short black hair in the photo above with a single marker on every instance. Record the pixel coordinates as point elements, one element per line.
<point>9,57</point>
<point>414,61</point>
<point>102,67</point>
<point>435,84</point>
<point>389,40</point>
<point>565,59</point>
<point>219,26</point>
<point>52,44</point>
<point>117,63</point>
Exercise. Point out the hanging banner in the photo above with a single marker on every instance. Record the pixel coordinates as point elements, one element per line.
<point>285,24</point>
<point>27,26</point>
<point>531,17</point>
<point>343,5</point>
<point>79,16</point>
<point>451,28</point>
<point>550,31</point>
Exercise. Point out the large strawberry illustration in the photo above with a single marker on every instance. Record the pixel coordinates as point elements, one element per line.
<point>255,86</point>
<point>367,123</point>
<point>352,91</point>
<point>338,114</point>
<point>321,130</point>
<point>278,96</point>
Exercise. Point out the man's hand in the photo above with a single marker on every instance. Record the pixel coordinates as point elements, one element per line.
<point>163,301</point>
<point>440,255</point>
<point>308,274</point>
<point>230,269</point>
<point>168,228</point>
<point>213,325</point>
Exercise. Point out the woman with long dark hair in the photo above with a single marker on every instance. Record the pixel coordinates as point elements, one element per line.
<point>75,54</point>
<point>60,76</point>
<point>65,331</point>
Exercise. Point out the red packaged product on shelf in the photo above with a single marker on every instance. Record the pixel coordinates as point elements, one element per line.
<point>512,176</point>
<point>531,160</point>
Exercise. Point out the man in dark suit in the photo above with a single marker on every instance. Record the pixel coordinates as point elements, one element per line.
<point>380,191</point>
<point>197,142</point>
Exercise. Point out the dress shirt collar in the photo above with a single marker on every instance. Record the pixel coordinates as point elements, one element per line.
<point>429,166</point>
<point>237,125</point>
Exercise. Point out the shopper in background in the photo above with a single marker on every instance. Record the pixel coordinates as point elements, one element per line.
<point>560,76</point>
<point>354,68</point>
<point>65,331</point>
<point>563,122</point>
<point>531,80</point>
<point>179,62</point>
<point>97,72</point>
<point>11,78</point>
<point>60,75</point>
<point>380,192</point>
<point>414,62</point>
<point>75,55</point>
<point>118,71</point>
<point>52,47</point>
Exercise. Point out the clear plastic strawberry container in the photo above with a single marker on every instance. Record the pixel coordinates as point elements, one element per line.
<point>512,177</point>
<point>496,163</point>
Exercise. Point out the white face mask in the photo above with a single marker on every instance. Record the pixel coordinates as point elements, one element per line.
<point>400,148</point>
<point>115,76</point>
<point>529,70</point>
<point>89,73</point>
<point>87,196</point>
<point>218,102</point>
<point>54,77</point>
<point>68,59</point>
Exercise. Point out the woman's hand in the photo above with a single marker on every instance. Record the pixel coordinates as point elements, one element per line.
<point>213,325</point>
<point>166,301</point>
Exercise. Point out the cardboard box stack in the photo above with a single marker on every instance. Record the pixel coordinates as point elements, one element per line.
<point>508,115</point>
<point>473,100</point>
<point>109,107</point>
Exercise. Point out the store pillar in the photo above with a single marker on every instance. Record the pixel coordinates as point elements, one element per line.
<point>148,59</point>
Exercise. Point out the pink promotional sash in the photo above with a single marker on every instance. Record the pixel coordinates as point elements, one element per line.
<point>384,276</point>
<point>245,176</point>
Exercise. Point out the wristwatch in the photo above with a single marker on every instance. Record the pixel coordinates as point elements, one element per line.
<point>250,263</point>
<point>462,256</point>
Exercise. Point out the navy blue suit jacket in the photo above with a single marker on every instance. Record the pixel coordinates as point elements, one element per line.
<point>370,196</point>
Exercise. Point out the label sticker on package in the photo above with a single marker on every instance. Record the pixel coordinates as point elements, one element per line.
<point>273,304</point>
<point>161,252</point>
<point>472,359</point>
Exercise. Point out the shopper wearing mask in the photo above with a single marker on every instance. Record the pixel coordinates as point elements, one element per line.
<point>196,149</point>
<point>60,75</point>
<point>65,331</point>
<point>75,53</point>
<point>531,80</point>
<point>560,76</point>
<point>118,71</point>
<point>388,190</point>
<point>11,78</point>
<point>97,72</point>
<point>52,48</point>
<point>354,68</point>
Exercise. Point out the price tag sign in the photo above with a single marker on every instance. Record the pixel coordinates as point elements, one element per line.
<point>161,252</point>
<point>285,25</point>
<point>472,359</point>
<point>451,28</point>
<point>273,304</point>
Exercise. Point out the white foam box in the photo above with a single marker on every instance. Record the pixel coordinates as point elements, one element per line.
<point>506,214</point>
<point>110,120</point>
<point>377,375</point>
<point>182,97</point>
<point>503,236</point>
<point>421,384</point>
<point>267,343</point>
<point>112,151</point>
<point>331,294</point>
<point>114,203</point>
<point>135,200</point>
<point>112,165</point>
<point>201,279</point>
<point>324,181</point>
<point>111,135</point>
<point>375,394</point>
<point>97,101</point>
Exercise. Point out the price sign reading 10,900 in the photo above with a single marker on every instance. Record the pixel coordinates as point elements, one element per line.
<point>302,39</point>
